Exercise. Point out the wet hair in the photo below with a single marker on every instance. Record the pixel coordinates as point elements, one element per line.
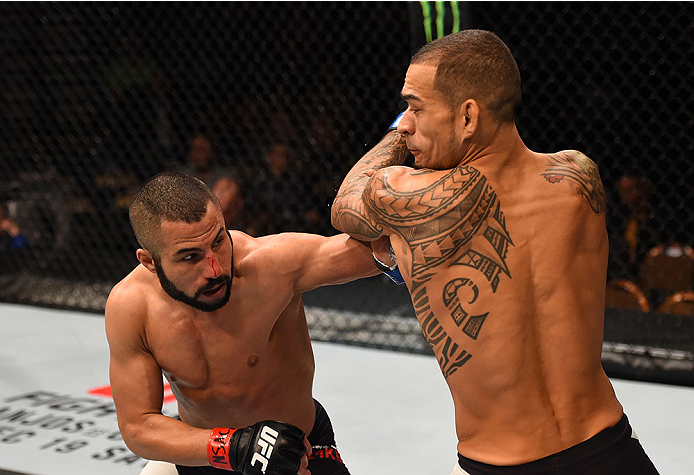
<point>474,64</point>
<point>169,196</point>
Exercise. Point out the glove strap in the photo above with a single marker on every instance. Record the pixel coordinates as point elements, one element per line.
<point>392,272</point>
<point>382,266</point>
<point>396,122</point>
<point>219,448</point>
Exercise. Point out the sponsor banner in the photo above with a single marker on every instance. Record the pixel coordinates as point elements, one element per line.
<point>45,432</point>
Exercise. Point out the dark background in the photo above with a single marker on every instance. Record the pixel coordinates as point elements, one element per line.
<point>81,130</point>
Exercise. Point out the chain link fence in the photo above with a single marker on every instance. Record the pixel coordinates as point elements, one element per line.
<point>273,102</point>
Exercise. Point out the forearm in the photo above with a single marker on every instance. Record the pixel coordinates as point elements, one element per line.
<point>159,437</point>
<point>366,258</point>
<point>348,213</point>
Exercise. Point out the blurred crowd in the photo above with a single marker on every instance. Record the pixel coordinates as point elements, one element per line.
<point>275,162</point>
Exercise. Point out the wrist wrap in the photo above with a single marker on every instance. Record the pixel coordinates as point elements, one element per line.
<point>219,448</point>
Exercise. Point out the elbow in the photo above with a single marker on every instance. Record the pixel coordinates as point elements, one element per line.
<point>335,215</point>
<point>133,436</point>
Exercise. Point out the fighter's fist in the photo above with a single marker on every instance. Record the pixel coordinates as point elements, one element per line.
<point>267,448</point>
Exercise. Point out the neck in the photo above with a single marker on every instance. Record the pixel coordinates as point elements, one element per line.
<point>497,141</point>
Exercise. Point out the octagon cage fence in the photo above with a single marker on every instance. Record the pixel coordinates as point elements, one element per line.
<point>278,100</point>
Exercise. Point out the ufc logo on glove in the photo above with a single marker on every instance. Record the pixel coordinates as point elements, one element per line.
<point>266,442</point>
<point>250,450</point>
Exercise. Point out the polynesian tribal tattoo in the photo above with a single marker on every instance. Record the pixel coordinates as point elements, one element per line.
<point>459,210</point>
<point>453,221</point>
<point>580,170</point>
<point>456,220</point>
<point>351,214</point>
<point>449,355</point>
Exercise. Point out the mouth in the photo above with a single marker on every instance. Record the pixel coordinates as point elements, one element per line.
<point>215,291</point>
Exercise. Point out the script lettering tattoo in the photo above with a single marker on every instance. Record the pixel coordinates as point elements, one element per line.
<point>450,356</point>
<point>580,170</point>
<point>348,212</point>
<point>450,297</point>
<point>455,220</point>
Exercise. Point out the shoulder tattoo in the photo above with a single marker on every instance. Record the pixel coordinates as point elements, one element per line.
<point>350,212</point>
<point>454,221</point>
<point>580,170</point>
<point>457,217</point>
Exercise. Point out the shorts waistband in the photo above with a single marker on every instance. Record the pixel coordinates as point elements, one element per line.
<point>585,451</point>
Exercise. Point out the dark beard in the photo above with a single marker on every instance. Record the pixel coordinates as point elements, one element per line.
<point>177,294</point>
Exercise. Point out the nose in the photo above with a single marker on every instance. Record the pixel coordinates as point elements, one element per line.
<point>406,125</point>
<point>213,269</point>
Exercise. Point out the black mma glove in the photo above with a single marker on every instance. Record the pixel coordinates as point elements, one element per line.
<point>267,448</point>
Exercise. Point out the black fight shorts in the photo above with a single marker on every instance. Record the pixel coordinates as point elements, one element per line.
<point>324,459</point>
<point>614,451</point>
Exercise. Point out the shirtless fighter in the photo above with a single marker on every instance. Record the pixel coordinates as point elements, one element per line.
<point>504,252</point>
<point>220,315</point>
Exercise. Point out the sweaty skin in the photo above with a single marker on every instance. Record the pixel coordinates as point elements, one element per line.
<point>504,252</point>
<point>248,361</point>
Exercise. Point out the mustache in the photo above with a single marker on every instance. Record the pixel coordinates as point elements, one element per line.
<point>212,283</point>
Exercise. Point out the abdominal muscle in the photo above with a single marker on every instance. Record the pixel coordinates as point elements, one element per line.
<point>239,377</point>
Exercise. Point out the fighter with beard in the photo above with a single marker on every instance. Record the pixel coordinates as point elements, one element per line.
<point>219,314</point>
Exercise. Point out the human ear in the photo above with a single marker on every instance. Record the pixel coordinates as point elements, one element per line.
<point>145,258</point>
<point>469,116</point>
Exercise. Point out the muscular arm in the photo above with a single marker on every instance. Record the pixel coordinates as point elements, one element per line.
<point>350,214</point>
<point>320,260</point>
<point>136,383</point>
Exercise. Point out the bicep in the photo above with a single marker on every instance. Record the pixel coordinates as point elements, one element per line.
<point>391,196</point>
<point>136,379</point>
<point>360,212</point>
<point>331,260</point>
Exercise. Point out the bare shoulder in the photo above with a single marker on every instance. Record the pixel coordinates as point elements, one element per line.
<point>127,303</point>
<point>580,172</point>
<point>576,159</point>
<point>131,291</point>
<point>403,196</point>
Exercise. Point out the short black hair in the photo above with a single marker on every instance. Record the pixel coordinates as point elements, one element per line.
<point>169,196</point>
<point>475,64</point>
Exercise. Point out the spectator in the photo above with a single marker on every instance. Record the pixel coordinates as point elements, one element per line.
<point>11,236</point>
<point>633,231</point>
<point>201,161</point>
<point>228,191</point>
<point>283,194</point>
<point>223,182</point>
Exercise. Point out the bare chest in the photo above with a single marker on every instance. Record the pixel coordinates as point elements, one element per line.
<point>238,347</point>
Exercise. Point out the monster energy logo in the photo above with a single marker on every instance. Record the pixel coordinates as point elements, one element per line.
<point>440,18</point>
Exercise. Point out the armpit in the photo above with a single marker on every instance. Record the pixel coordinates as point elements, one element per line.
<point>581,172</point>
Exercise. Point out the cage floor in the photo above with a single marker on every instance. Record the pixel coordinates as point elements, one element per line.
<point>391,411</point>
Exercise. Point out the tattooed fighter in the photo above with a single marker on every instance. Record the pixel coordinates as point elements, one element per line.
<point>504,252</point>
